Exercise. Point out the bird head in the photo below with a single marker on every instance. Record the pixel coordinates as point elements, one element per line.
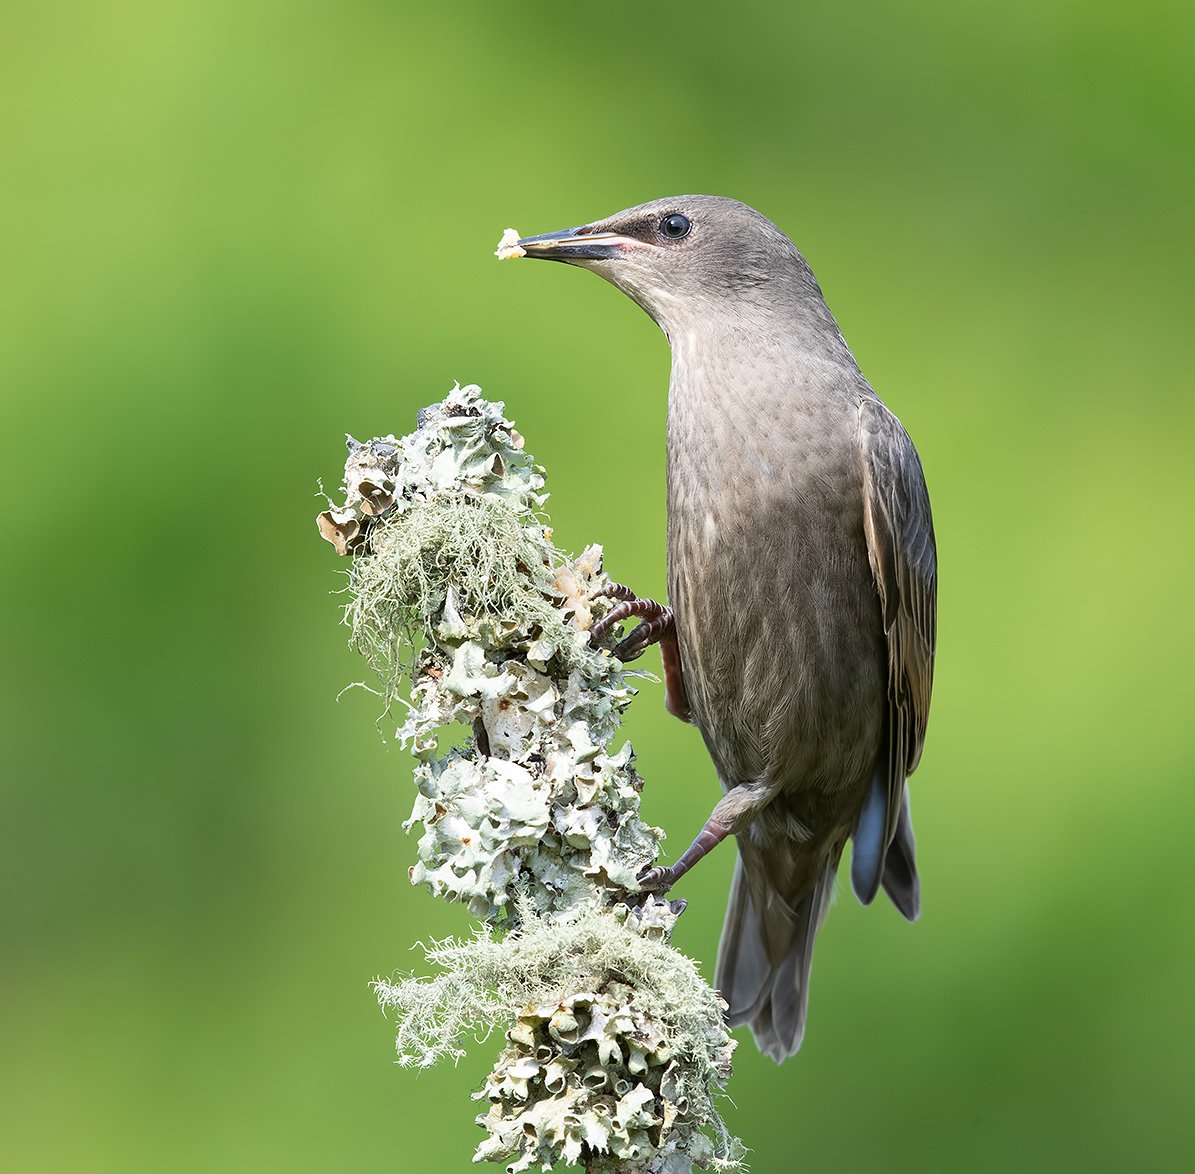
<point>686,258</point>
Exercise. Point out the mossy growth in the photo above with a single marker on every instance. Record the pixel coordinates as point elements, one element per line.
<point>615,1050</point>
<point>498,565</point>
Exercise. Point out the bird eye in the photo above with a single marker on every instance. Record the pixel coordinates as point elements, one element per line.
<point>675,226</point>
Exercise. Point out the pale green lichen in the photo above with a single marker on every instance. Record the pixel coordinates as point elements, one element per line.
<point>616,1047</point>
<point>497,564</point>
<point>454,553</point>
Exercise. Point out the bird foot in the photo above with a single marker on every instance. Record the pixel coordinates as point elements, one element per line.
<point>656,621</point>
<point>657,880</point>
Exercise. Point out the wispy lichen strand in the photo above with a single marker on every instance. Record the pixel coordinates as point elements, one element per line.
<point>615,1047</point>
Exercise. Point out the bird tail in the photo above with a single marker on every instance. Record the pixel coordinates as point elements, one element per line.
<point>765,956</point>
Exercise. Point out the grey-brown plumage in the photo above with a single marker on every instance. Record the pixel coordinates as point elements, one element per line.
<point>801,575</point>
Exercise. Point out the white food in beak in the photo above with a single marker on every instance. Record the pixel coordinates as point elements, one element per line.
<point>508,246</point>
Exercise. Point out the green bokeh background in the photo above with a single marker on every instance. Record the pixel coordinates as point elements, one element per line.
<point>232,231</point>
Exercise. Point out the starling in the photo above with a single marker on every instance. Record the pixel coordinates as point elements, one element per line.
<point>801,576</point>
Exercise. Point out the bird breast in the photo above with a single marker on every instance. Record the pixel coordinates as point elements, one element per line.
<point>777,616</point>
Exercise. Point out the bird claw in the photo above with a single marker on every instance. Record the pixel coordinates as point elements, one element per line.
<point>656,621</point>
<point>656,880</point>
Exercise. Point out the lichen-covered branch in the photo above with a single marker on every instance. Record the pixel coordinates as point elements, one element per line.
<point>615,1048</point>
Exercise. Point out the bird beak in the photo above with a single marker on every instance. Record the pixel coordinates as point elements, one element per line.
<point>587,243</point>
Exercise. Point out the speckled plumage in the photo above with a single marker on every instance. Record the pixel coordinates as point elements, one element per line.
<point>802,575</point>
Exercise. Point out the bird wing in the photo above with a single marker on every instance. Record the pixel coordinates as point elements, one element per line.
<point>904,563</point>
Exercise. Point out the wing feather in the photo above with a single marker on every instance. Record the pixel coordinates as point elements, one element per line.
<point>900,541</point>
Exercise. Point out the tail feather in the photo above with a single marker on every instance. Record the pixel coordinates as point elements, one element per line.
<point>764,962</point>
<point>743,966</point>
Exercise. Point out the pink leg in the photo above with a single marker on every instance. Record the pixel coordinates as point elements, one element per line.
<point>658,626</point>
<point>676,699</point>
<point>660,880</point>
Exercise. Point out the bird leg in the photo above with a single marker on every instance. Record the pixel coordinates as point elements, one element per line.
<point>657,626</point>
<point>732,813</point>
<point>660,879</point>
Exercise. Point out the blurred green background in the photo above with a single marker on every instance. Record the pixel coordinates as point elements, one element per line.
<point>232,231</point>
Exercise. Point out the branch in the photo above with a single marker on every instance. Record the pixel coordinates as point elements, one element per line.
<point>615,1048</point>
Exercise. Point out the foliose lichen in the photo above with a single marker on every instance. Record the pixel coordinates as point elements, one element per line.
<point>616,1047</point>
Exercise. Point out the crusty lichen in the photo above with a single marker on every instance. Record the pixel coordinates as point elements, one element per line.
<point>458,591</point>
